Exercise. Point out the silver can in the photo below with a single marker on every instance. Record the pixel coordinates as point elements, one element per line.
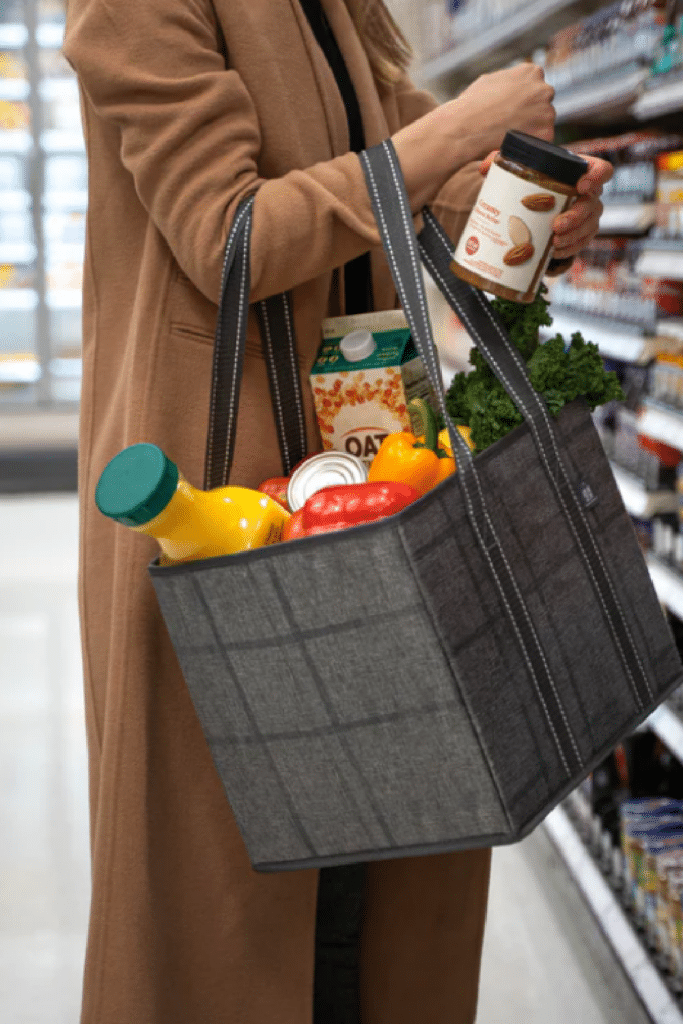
<point>328,469</point>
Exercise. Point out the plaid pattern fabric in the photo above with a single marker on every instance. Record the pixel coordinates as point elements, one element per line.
<point>437,680</point>
<point>362,693</point>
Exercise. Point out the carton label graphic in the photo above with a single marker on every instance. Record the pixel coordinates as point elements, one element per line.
<point>358,403</point>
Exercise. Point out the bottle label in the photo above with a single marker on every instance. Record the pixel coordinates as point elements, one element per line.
<point>509,229</point>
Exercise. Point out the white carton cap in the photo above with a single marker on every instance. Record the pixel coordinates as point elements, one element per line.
<point>357,345</point>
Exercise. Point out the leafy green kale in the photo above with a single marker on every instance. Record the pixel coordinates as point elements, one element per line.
<point>559,372</point>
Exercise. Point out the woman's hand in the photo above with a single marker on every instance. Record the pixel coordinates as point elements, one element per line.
<point>578,225</point>
<point>513,99</point>
<point>431,149</point>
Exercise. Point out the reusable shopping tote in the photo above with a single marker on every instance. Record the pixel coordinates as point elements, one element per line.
<point>442,678</point>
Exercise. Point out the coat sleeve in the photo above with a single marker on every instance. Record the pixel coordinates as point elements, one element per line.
<point>453,203</point>
<point>190,138</point>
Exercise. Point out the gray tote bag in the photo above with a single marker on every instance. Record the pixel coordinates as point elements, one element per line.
<point>442,678</point>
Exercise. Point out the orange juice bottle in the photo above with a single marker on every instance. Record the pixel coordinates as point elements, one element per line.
<point>143,489</point>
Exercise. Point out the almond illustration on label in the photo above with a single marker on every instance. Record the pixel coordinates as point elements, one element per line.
<point>518,231</point>
<point>518,254</point>
<point>539,202</point>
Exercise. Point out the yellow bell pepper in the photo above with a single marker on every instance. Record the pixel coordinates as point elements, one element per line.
<point>465,433</point>
<point>403,458</point>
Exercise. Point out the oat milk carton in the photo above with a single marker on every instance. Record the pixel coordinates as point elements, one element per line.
<point>366,372</point>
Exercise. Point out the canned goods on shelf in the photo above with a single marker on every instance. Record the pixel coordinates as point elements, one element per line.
<point>328,469</point>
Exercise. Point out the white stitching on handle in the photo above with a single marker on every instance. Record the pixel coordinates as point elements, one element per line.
<point>512,351</point>
<point>212,412</point>
<point>515,354</point>
<point>465,461</point>
<point>590,535</point>
<point>243,309</point>
<point>407,221</point>
<point>429,346</point>
<point>273,373</point>
<point>473,518</point>
<point>434,270</point>
<point>295,376</point>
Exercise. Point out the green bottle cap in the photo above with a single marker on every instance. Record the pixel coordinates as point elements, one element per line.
<point>136,485</point>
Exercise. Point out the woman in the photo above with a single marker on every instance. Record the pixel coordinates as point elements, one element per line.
<point>187,107</point>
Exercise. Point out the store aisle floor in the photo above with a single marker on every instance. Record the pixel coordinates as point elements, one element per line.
<point>544,960</point>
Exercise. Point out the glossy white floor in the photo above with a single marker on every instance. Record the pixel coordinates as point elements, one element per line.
<point>544,962</point>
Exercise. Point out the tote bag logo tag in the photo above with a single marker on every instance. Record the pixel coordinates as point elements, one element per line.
<point>588,496</point>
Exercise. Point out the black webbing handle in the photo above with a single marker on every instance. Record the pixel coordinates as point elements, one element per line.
<point>394,218</point>
<point>279,347</point>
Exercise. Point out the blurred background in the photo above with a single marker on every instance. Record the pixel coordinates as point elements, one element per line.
<point>586,921</point>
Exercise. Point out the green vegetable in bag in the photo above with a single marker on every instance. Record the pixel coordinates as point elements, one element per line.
<point>558,371</point>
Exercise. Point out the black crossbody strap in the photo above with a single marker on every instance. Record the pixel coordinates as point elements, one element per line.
<point>489,335</point>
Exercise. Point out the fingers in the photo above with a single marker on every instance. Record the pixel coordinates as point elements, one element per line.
<point>576,228</point>
<point>599,172</point>
<point>487,161</point>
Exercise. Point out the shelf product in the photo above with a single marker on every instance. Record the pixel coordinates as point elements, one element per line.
<point>604,281</point>
<point>620,35</point>
<point>43,200</point>
<point>669,207</point>
<point>447,23</point>
<point>634,157</point>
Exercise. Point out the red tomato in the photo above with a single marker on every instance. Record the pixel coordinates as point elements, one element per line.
<point>276,488</point>
<point>294,527</point>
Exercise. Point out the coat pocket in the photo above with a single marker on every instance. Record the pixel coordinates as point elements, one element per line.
<point>253,346</point>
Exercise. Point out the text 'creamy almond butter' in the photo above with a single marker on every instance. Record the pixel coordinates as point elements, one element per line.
<point>366,372</point>
<point>506,244</point>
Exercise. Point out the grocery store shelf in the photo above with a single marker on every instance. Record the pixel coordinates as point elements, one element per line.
<point>13,36</point>
<point>15,141</point>
<point>659,259</point>
<point>59,140</point>
<point>671,328</point>
<point>626,219</point>
<point>669,586</point>
<point>640,502</point>
<point>64,298</point>
<point>614,923</point>
<point>65,252</point>
<point>15,200</point>
<point>669,728</point>
<point>18,252</point>
<point>503,41</point>
<point>663,99</point>
<point>18,298</point>
<point>51,89</point>
<point>14,89</point>
<point>32,429</point>
<point>622,341</point>
<point>50,35</point>
<point>19,369</point>
<point>600,96</point>
<point>73,199</point>
<point>662,423</point>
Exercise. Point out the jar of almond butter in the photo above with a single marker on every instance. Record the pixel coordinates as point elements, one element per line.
<point>506,245</point>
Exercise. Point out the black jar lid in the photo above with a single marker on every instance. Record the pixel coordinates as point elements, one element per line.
<point>553,161</point>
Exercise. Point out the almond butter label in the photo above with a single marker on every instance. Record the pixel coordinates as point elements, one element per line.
<point>509,229</point>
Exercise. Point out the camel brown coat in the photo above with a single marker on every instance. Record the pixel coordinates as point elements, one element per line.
<point>182,930</point>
